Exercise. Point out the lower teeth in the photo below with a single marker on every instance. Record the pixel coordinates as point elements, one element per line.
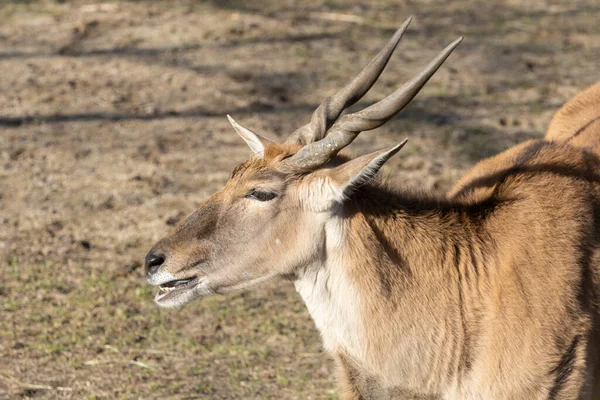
<point>164,290</point>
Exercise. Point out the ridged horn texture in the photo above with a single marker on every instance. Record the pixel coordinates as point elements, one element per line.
<point>345,129</point>
<point>331,108</point>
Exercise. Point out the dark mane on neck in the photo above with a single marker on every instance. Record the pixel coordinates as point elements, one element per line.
<point>381,199</point>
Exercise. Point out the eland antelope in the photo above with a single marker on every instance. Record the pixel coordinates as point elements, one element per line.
<point>491,292</point>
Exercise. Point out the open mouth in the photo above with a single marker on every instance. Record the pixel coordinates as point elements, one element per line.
<point>171,288</point>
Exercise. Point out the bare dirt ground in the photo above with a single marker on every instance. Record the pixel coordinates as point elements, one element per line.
<point>113,128</point>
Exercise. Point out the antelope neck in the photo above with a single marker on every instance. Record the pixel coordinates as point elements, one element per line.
<point>368,298</point>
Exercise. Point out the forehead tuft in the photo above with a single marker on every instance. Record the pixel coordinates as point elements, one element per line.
<point>274,153</point>
<point>277,152</point>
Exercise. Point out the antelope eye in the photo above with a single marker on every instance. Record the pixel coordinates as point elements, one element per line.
<point>260,195</point>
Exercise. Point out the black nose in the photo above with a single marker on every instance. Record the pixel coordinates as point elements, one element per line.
<point>153,262</point>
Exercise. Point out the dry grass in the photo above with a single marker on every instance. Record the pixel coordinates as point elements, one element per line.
<point>112,129</point>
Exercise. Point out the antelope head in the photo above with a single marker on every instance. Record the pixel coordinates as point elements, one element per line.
<point>270,218</point>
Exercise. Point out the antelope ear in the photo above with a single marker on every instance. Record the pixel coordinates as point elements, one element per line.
<point>256,142</point>
<point>344,179</point>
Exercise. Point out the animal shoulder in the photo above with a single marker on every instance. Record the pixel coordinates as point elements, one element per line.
<point>535,165</point>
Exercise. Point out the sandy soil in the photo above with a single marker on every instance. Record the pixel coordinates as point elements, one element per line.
<point>113,129</point>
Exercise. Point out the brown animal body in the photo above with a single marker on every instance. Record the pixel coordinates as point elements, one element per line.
<point>490,293</point>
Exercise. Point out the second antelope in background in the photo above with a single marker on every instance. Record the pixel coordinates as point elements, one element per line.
<point>489,293</point>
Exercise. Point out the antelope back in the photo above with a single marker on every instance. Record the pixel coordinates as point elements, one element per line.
<point>578,121</point>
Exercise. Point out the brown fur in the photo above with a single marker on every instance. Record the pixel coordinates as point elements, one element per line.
<point>578,121</point>
<point>508,289</point>
<point>566,167</point>
<point>489,293</point>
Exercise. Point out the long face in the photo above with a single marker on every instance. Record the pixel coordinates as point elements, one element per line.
<point>255,228</point>
<point>270,218</point>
